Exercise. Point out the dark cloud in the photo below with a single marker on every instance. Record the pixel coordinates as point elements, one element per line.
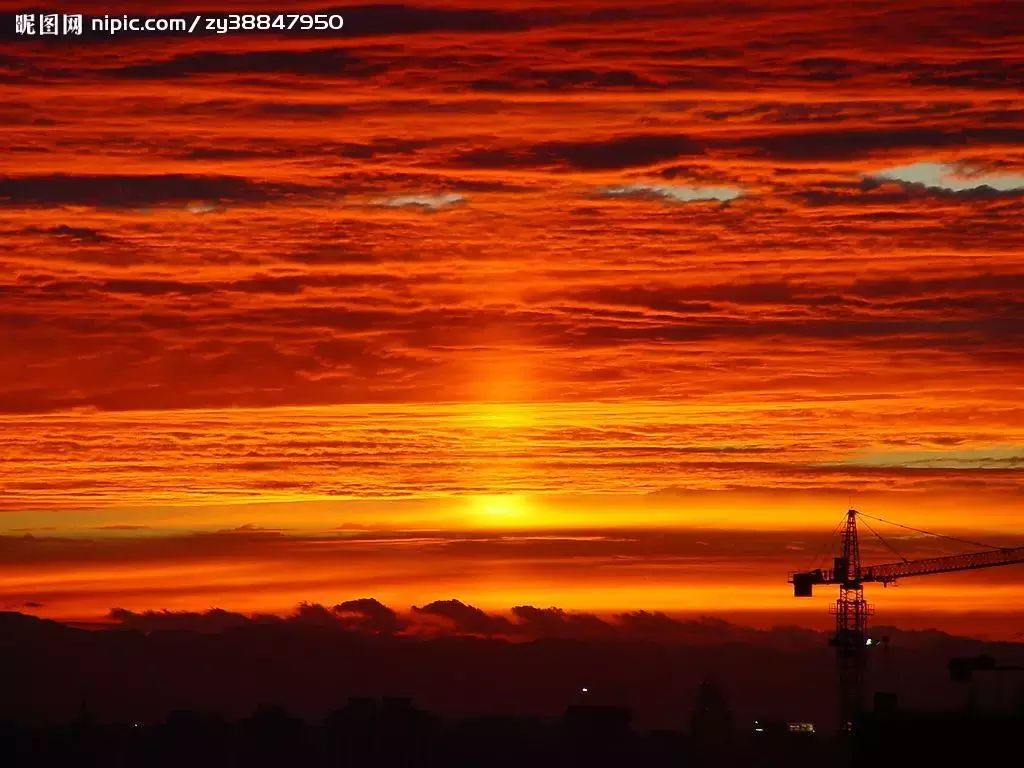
<point>648,623</point>
<point>659,298</point>
<point>839,144</point>
<point>903,287</point>
<point>466,619</point>
<point>378,147</point>
<point>332,255</point>
<point>554,622</point>
<point>321,62</point>
<point>122,190</point>
<point>862,329</point>
<point>81,235</point>
<point>683,299</point>
<point>218,620</point>
<point>143,287</point>
<point>980,193</point>
<point>314,614</point>
<point>982,295</point>
<point>600,154</point>
<point>828,69</point>
<point>368,615</point>
<point>213,620</point>
<point>284,285</point>
<point>669,193</point>
<point>658,626</point>
<point>301,109</point>
<point>556,79</point>
<point>996,72</point>
<point>871,191</point>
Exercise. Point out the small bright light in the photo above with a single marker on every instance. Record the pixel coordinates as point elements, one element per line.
<point>585,690</point>
<point>869,641</point>
<point>759,730</point>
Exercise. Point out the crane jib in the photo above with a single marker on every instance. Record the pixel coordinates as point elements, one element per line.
<point>886,573</point>
<point>970,561</point>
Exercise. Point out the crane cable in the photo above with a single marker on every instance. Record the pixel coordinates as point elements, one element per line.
<point>829,543</point>
<point>887,544</point>
<point>927,533</point>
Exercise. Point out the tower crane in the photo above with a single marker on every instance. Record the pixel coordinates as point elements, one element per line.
<point>852,610</point>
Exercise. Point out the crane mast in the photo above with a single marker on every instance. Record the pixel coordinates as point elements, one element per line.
<point>852,610</point>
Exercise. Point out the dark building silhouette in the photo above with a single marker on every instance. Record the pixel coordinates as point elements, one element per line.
<point>711,724</point>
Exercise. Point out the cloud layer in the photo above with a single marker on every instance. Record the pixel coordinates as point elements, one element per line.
<point>478,257</point>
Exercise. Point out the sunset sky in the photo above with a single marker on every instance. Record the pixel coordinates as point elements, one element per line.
<point>595,305</point>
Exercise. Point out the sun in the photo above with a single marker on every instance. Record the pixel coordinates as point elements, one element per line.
<point>504,509</point>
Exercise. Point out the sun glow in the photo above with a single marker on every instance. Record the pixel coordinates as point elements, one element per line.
<point>501,510</point>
